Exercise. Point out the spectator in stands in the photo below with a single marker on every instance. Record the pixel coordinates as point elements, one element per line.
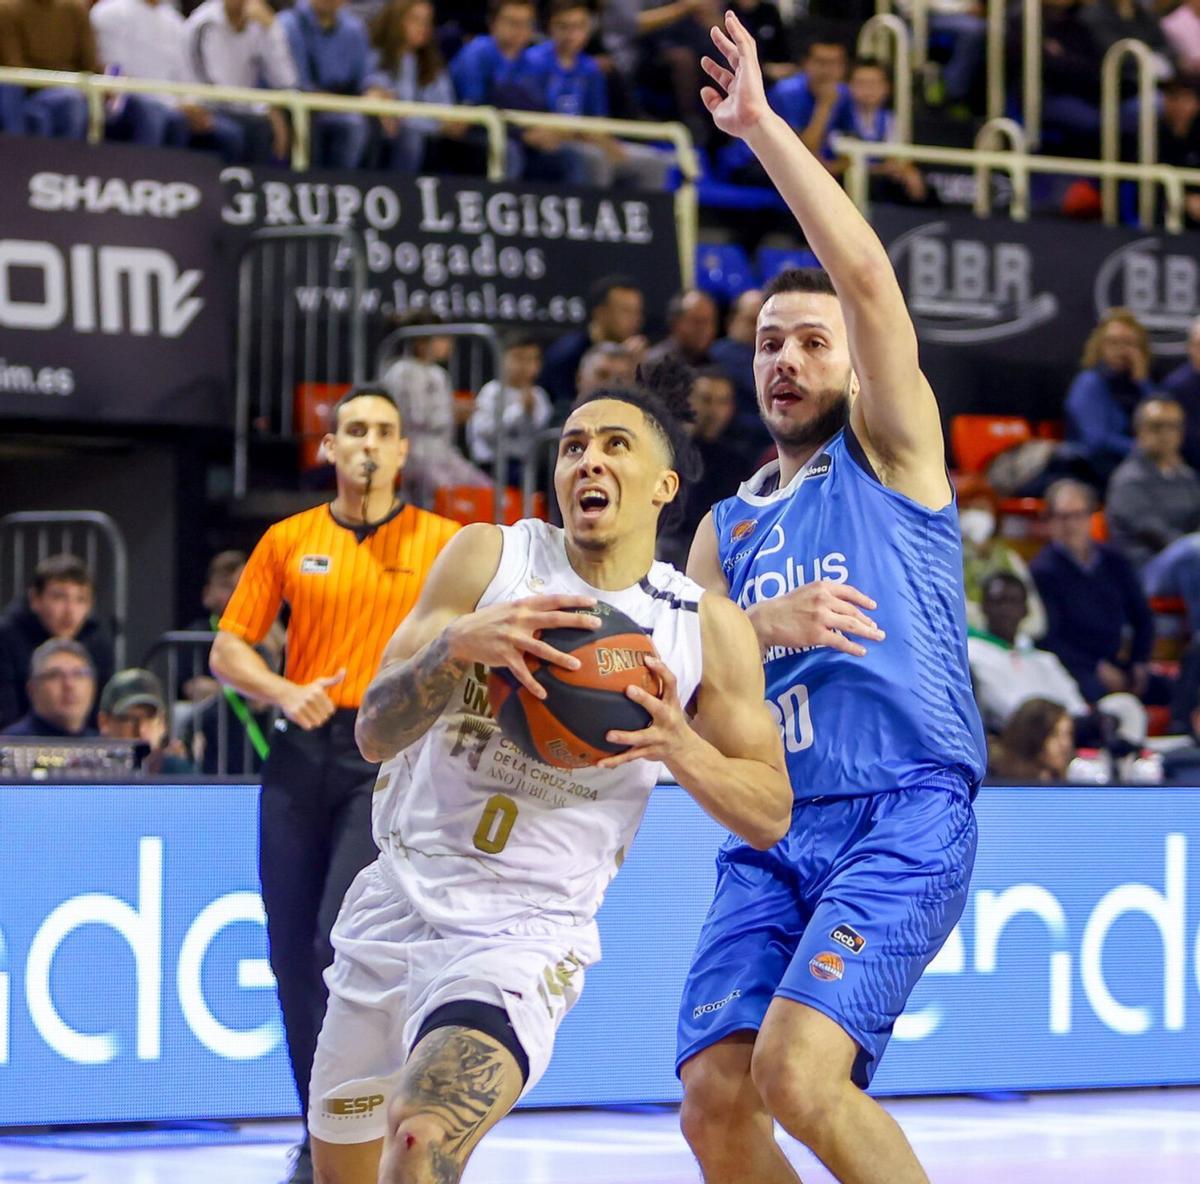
<point>734,353</point>
<point>1182,30</point>
<point>605,365</point>
<point>58,605</point>
<point>61,690</point>
<point>145,39</point>
<point>1115,20</point>
<point>421,387</point>
<point>815,103</point>
<point>569,82</point>
<point>965,24</point>
<point>1183,385</point>
<point>1179,134</point>
<point>691,330</point>
<point>616,313</point>
<point>986,553</point>
<point>1153,507</point>
<point>411,67</point>
<point>726,460</point>
<point>331,51</point>
<point>491,71</point>
<point>240,43</point>
<point>513,406</point>
<point>49,35</point>
<point>1037,745</point>
<point>1113,380</point>
<point>1093,599</point>
<point>1071,67</point>
<point>133,707</point>
<point>872,120</point>
<point>1007,670</point>
<point>765,24</point>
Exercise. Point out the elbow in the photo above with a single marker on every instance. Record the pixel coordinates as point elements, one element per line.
<point>777,821</point>
<point>869,277</point>
<point>368,745</point>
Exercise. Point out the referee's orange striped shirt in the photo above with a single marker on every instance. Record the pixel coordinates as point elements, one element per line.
<point>348,590</point>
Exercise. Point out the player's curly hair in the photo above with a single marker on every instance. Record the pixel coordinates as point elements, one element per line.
<point>662,393</point>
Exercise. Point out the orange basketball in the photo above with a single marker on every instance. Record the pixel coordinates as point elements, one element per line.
<point>567,728</point>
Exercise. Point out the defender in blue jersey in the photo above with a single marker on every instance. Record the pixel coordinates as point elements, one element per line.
<point>811,949</point>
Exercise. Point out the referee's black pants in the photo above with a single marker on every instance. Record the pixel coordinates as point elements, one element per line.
<point>314,837</point>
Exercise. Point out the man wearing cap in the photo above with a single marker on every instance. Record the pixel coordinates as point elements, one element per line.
<point>133,707</point>
<point>61,689</point>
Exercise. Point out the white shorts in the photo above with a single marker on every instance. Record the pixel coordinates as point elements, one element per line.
<point>391,970</point>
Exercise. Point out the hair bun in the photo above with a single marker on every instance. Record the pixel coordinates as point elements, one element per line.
<point>670,379</point>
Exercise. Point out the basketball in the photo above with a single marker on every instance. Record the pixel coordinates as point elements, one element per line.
<point>567,729</point>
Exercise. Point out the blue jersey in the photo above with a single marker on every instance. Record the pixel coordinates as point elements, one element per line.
<point>904,715</point>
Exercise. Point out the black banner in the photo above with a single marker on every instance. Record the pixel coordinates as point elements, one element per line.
<point>117,267</point>
<point>468,249</point>
<point>1003,308</point>
<point>114,286</point>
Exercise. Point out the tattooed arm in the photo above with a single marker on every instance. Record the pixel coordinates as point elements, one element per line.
<point>445,634</point>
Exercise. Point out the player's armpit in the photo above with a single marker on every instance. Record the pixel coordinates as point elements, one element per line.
<point>704,559</point>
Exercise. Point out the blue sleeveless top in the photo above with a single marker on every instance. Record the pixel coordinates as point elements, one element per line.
<point>904,715</point>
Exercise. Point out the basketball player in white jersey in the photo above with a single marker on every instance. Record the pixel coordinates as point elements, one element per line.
<point>461,949</point>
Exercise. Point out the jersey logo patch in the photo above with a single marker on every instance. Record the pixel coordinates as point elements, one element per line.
<point>315,565</point>
<point>850,938</point>
<point>819,467</point>
<point>743,530</point>
<point>827,966</point>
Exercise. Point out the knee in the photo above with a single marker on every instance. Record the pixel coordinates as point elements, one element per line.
<point>416,1143</point>
<point>715,1105</point>
<point>794,1090</point>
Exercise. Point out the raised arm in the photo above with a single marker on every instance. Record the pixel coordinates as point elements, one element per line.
<point>895,416</point>
<point>445,634</point>
<point>729,757</point>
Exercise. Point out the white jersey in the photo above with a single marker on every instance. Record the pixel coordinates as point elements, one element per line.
<point>480,837</point>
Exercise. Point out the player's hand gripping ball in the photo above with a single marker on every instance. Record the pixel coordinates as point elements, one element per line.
<point>568,728</point>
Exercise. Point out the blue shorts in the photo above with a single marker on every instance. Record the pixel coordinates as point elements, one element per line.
<point>843,914</point>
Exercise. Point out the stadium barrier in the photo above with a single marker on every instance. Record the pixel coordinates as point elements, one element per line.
<point>1110,122</point>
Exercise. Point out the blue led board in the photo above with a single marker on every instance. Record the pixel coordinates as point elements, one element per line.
<point>134,984</point>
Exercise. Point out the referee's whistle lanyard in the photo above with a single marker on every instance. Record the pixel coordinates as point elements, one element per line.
<point>238,706</point>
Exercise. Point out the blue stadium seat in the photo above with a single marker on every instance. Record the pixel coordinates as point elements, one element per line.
<point>723,270</point>
<point>773,260</point>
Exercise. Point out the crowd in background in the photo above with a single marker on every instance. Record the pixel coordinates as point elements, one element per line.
<point>1063,628</point>
<point>631,59</point>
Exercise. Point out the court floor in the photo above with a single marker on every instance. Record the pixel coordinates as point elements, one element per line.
<point>1130,1137</point>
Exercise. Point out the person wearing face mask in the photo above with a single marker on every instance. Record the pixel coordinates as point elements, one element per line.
<point>1113,381</point>
<point>986,553</point>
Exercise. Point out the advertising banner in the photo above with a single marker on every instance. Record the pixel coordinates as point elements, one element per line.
<point>134,983</point>
<point>115,287</point>
<point>517,255</point>
<point>1003,309</point>
<point>118,268</point>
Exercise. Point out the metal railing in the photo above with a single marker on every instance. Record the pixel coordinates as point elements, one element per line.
<point>1031,68</point>
<point>301,104</point>
<point>1110,122</point>
<point>1002,133</point>
<point>886,38</point>
<point>488,338</point>
<point>1020,167</point>
<point>919,19</point>
<point>29,536</point>
<point>279,344</point>
<point>179,658</point>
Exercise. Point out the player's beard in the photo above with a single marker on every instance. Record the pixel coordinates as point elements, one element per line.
<point>834,414</point>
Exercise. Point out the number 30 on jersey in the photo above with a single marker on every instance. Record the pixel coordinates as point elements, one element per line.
<point>792,714</point>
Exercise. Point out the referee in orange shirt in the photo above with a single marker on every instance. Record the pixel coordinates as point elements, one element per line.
<point>350,571</point>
